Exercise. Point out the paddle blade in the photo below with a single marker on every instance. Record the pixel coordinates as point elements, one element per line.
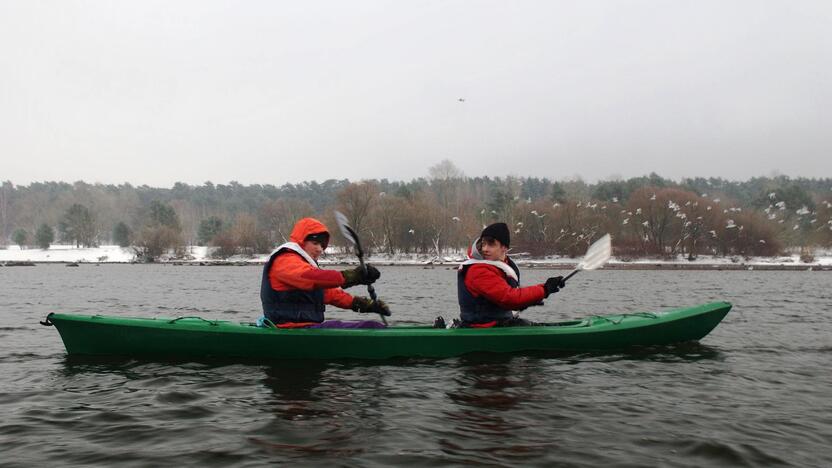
<point>597,254</point>
<point>344,226</point>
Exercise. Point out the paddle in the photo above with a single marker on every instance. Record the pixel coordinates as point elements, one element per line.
<point>596,256</point>
<point>352,236</point>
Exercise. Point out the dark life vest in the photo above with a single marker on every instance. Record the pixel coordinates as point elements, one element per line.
<point>294,305</point>
<point>479,309</point>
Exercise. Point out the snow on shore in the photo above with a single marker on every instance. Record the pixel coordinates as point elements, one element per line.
<point>67,253</point>
<point>116,254</point>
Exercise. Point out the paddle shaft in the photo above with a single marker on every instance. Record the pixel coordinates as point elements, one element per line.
<point>360,252</point>
<point>571,274</point>
<point>370,288</point>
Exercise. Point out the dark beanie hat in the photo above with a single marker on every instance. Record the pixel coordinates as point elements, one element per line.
<point>322,237</point>
<point>498,231</point>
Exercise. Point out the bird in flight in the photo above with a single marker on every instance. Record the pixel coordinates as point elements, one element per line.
<point>461,99</point>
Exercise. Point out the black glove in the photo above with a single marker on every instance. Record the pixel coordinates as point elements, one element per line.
<point>554,285</point>
<point>368,306</point>
<point>358,276</point>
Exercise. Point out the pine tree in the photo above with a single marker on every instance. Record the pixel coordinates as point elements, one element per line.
<point>208,229</point>
<point>20,237</point>
<point>121,234</point>
<point>164,215</point>
<point>78,226</point>
<point>44,236</point>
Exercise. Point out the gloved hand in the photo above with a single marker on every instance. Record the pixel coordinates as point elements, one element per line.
<point>367,305</point>
<point>357,276</point>
<point>554,285</point>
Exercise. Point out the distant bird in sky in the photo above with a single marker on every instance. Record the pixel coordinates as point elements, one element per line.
<point>461,99</point>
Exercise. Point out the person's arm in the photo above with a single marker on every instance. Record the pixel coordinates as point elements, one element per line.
<point>338,297</point>
<point>489,282</point>
<point>290,271</point>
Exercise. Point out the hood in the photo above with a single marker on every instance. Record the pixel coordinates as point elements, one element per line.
<point>305,227</point>
<point>474,256</point>
<point>473,252</point>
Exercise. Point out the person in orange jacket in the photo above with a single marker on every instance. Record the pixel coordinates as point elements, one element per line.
<point>294,291</point>
<point>488,283</point>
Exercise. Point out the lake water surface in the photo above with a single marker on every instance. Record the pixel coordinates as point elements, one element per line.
<point>757,391</point>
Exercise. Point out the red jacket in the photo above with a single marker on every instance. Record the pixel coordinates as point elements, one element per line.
<point>490,282</point>
<point>291,271</point>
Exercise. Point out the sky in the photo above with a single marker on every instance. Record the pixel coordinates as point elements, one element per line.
<point>270,92</point>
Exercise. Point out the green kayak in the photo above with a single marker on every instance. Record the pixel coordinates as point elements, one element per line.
<point>196,337</point>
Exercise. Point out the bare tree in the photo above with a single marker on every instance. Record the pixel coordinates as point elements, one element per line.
<point>279,216</point>
<point>390,213</point>
<point>357,202</point>
<point>445,170</point>
<point>249,239</point>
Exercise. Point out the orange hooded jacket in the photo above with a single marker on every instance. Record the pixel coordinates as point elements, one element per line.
<point>291,271</point>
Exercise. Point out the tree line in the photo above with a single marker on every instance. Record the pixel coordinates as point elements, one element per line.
<point>647,216</point>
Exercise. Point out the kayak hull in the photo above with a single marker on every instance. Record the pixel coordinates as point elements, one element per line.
<point>192,337</point>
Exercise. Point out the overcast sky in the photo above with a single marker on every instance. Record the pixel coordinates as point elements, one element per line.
<point>153,92</point>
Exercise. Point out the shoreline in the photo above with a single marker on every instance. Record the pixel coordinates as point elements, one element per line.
<point>200,256</point>
<point>535,265</point>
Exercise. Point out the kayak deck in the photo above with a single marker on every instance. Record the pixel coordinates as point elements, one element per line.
<point>198,337</point>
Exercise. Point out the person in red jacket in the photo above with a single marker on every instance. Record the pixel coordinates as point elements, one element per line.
<point>488,283</point>
<point>294,291</point>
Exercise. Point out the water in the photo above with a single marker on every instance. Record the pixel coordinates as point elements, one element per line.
<point>757,391</point>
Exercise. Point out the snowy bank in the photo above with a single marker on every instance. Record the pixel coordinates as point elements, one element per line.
<point>197,255</point>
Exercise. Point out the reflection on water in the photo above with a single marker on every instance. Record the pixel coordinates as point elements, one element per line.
<point>297,390</point>
<point>488,419</point>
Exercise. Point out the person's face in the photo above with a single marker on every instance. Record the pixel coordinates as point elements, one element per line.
<point>492,249</point>
<point>313,248</point>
